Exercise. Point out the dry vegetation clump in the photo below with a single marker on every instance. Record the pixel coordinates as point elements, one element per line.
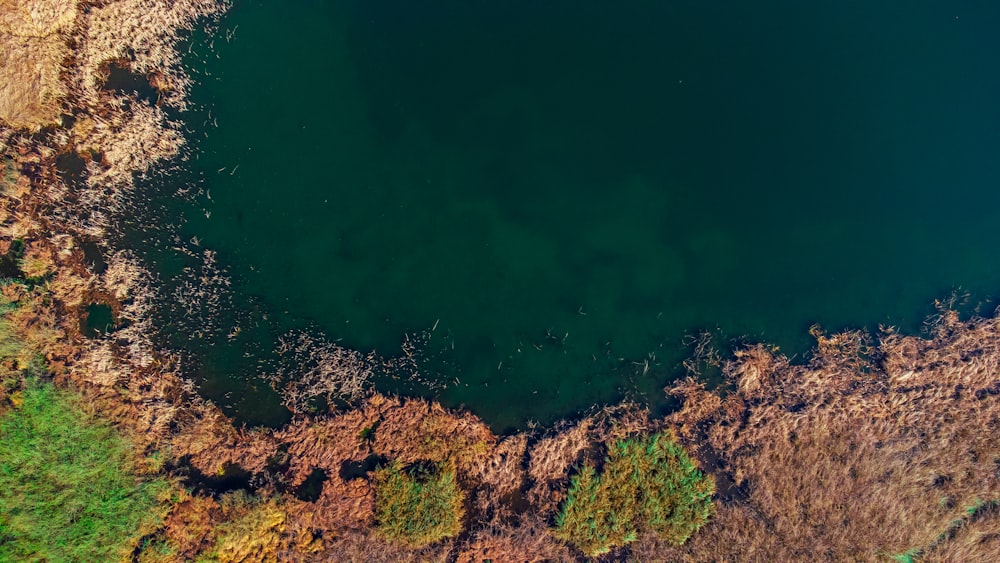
<point>130,142</point>
<point>369,547</point>
<point>526,539</point>
<point>327,442</point>
<point>251,532</point>
<point>316,368</point>
<point>189,528</point>
<point>343,506</point>
<point>974,538</point>
<point>142,33</point>
<point>33,45</point>
<point>38,261</point>
<point>550,461</point>
<point>29,329</point>
<point>415,430</point>
<point>238,528</point>
<point>207,438</point>
<point>864,454</point>
<point>503,474</point>
<point>113,137</point>
<point>401,431</point>
<point>40,77</point>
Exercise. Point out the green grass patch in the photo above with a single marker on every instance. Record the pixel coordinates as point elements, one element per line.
<point>420,506</point>
<point>8,174</point>
<point>647,483</point>
<point>69,491</point>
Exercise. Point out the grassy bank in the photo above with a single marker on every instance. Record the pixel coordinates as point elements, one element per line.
<point>70,489</point>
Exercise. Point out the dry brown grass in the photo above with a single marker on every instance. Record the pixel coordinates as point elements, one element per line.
<point>190,525</point>
<point>326,443</point>
<point>849,458</point>
<point>526,540</point>
<point>38,260</point>
<point>415,430</point>
<point>131,143</point>
<point>252,532</point>
<point>975,539</point>
<point>503,473</point>
<point>33,46</point>
<point>550,462</point>
<point>365,546</point>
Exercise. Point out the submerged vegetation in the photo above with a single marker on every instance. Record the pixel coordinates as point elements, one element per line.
<point>648,483</point>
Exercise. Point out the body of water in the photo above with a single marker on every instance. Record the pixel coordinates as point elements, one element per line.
<point>563,190</point>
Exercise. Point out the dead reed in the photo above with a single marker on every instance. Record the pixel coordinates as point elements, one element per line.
<point>866,453</point>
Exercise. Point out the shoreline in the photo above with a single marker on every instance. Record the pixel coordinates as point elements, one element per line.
<point>892,426</point>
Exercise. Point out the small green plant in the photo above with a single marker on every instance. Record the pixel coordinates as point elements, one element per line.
<point>646,484</point>
<point>8,174</point>
<point>69,490</point>
<point>420,506</point>
<point>367,434</point>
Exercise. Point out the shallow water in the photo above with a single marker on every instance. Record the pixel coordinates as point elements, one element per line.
<point>564,190</point>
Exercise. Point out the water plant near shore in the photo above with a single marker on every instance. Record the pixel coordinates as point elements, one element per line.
<point>646,483</point>
<point>418,506</point>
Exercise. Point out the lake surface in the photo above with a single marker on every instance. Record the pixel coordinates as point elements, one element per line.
<point>564,190</point>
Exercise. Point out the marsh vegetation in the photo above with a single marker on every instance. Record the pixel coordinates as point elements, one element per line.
<point>878,446</point>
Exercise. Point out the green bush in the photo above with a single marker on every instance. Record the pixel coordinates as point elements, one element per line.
<point>68,489</point>
<point>646,484</point>
<point>420,506</point>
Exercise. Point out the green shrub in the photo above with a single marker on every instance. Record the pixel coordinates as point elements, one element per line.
<point>420,506</point>
<point>646,484</point>
<point>68,488</point>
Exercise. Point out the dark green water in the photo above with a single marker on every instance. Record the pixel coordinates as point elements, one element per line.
<point>565,189</point>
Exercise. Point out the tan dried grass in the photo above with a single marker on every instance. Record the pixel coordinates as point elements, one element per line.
<point>549,463</point>
<point>527,540</point>
<point>849,457</point>
<point>33,46</point>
